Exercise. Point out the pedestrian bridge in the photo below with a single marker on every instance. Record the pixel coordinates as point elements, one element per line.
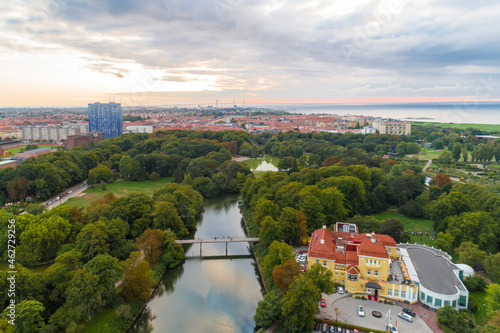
<point>216,240</point>
<point>226,240</point>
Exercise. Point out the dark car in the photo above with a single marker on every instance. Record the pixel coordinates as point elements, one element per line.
<point>316,326</point>
<point>409,311</point>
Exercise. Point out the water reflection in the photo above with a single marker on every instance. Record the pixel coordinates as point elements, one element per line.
<point>265,163</point>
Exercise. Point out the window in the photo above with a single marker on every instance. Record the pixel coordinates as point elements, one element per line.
<point>375,273</point>
<point>422,296</point>
<point>447,303</point>
<point>396,293</point>
<point>403,294</point>
<point>369,272</point>
<point>463,301</point>
<point>324,263</point>
<point>389,292</point>
<point>317,261</point>
<point>341,274</point>
<point>429,299</point>
<point>437,302</point>
<point>388,250</point>
<point>336,273</point>
<point>352,277</point>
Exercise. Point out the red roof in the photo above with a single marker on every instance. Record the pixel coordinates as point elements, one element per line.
<point>324,250</point>
<point>373,249</point>
<point>353,270</point>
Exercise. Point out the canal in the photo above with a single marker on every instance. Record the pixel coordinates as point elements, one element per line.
<point>211,294</point>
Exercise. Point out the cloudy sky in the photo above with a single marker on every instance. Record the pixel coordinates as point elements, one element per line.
<point>68,52</point>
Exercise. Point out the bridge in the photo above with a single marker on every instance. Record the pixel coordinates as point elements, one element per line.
<point>217,240</point>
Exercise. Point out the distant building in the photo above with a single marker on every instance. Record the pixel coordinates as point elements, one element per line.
<point>106,118</point>
<point>34,153</point>
<point>394,127</point>
<point>8,164</point>
<point>82,140</point>
<point>368,130</point>
<point>140,128</point>
<point>52,133</point>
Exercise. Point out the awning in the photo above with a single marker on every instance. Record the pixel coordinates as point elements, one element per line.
<point>373,285</point>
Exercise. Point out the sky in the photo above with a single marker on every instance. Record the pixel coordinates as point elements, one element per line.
<point>162,52</point>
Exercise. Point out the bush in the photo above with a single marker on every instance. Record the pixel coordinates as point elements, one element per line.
<point>154,176</point>
<point>412,209</point>
<point>474,283</point>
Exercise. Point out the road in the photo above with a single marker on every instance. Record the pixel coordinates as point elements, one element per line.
<point>75,192</point>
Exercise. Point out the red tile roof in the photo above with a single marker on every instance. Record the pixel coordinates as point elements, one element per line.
<point>319,250</point>
<point>373,249</point>
<point>353,270</point>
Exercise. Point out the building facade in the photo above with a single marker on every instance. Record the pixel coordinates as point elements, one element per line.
<point>52,133</point>
<point>366,264</point>
<point>106,118</point>
<point>82,140</point>
<point>394,127</point>
<point>140,128</point>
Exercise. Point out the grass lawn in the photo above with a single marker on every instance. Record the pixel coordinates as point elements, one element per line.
<point>97,323</point>
<point>480,314</point>
<point>259,174</point>
<point>120,188</point>
<point>413,224</point>
<point>18,149</point>
<point>428,155</point>
<point>482,127</point>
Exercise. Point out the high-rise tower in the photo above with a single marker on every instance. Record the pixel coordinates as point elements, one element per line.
<point>106,118</point>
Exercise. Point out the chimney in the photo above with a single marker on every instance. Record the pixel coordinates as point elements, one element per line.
<point>373,237</point>
<point>324,226</point>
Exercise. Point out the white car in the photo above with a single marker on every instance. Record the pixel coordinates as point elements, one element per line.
<point>405,316</point>
<point>341,290</point>
<point>361,312</point>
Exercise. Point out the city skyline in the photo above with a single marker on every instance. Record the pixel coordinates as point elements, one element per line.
<point>177,52</point>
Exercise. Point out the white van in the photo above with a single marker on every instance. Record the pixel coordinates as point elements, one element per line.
<point>405,316</point>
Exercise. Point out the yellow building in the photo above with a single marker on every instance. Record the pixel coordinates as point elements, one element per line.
<point>367,264</point>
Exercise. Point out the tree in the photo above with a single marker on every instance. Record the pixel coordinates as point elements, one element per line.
<point>283,274</point>
<point>365,224</point>
<point>278,254</point>
<point>288,164</point>
<point>322,278</point>
<point>492,298</point>
<point>332,160</point>
<point>441,179</point>
<point>269,231</point>
<point>465,153</point>
<point>28,316</point>
<point>17,189</point>
<point>444,241</point>
<point>137,278</point>
<point>456,151</point>
<point>265,207</point>
<point>42,238</point>
<point>445,157</point>
<point>123,166</point>
<point>392,227</point>
<point>92,240</point>
<point>154,176</point>
<point>492,267</point>
<point>150,242</point>
<point>289,224</point>
<point>470,254</point>
<point>477,227</point>
<point>100,173</point>
<point>167,217</point>
<point>173,253</point>
<point>451,204</point>
<point>109,271</point>
<point>269,309</point>
<point>299,305</point>
<point>451,318</point>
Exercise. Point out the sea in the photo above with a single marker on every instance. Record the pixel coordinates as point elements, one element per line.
<point>464,112</point>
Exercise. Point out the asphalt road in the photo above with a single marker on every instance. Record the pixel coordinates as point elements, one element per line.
<point>348,307</point>
<point>75,192</point>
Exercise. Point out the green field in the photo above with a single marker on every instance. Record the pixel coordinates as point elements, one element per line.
<point>482,127</point>
<point>120,188</point>
<point>18,149</point>
<point>101,318</point>
<point>428,155</point>
<point>411,224</point>
<point>480,314</point>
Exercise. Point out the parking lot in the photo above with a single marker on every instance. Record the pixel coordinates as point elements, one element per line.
<point>348,313</point>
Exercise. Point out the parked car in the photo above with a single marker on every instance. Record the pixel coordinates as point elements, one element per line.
<point>316,327</point>
<point>324,328</point>
<point>341,290</point>
<point>405,316</point>
<point>339,329</point>
<point>323,303</point>
<point>332,329</point>
<point>361,312</point>
<point>409,311</point>
<point>392,329</point>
